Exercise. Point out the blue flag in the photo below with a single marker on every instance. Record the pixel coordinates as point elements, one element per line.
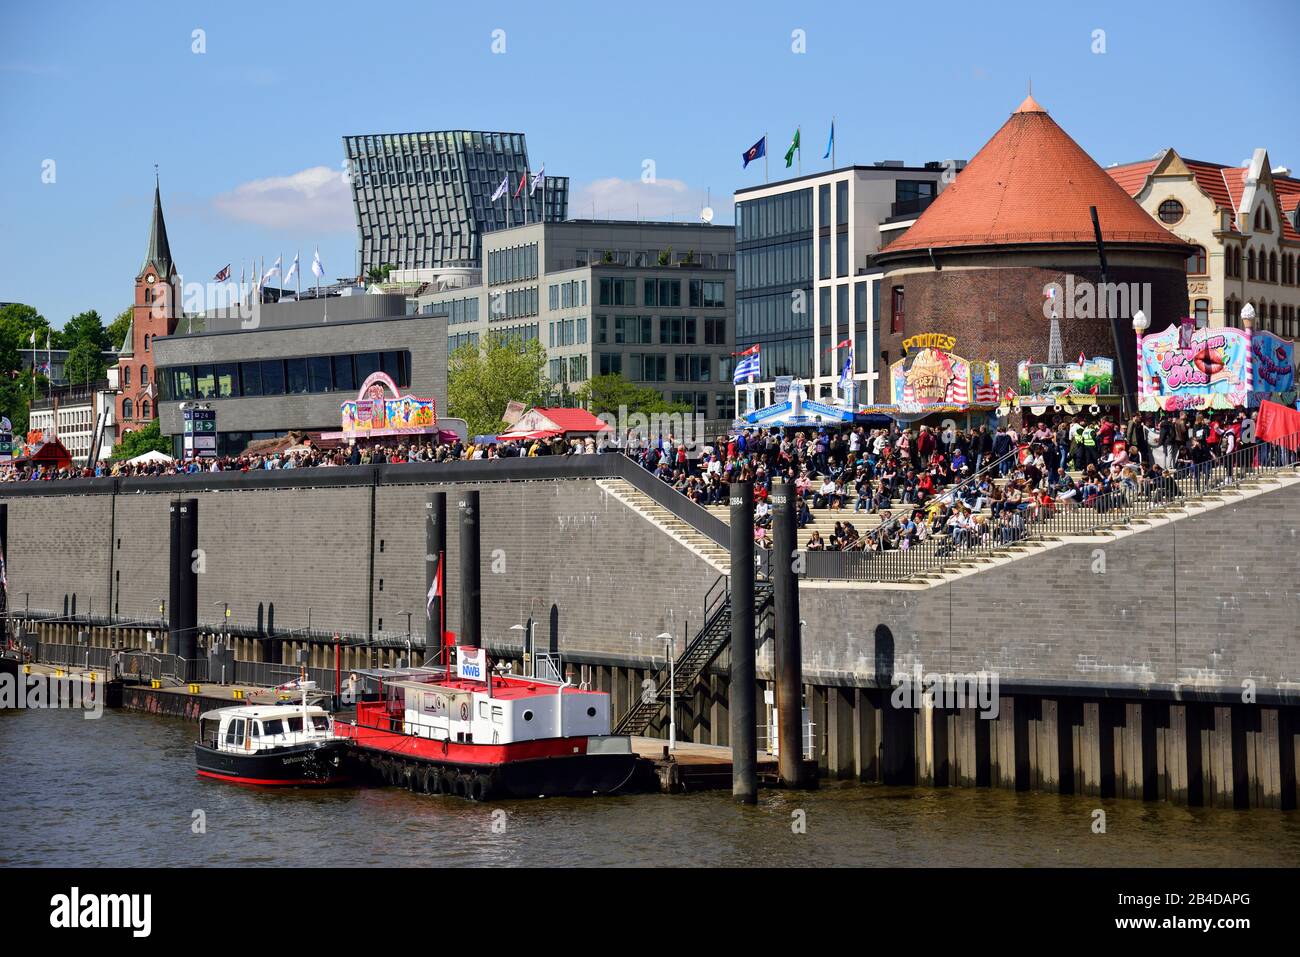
<point>756,151</point>
<point>830,143</point>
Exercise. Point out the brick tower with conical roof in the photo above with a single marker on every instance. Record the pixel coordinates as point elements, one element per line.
<point>1016,222</point>
<point>154,313</point>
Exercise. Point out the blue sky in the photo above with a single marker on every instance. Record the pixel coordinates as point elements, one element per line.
<point>247,134</point>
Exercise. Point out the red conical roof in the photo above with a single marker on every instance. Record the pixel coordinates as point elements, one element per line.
<point>1031,183</point>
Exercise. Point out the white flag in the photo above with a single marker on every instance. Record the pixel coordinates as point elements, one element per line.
<point>293,270</point>
<point>273,271</point>
<point>537,179</point>
<point>501,190</point>
<point>33,337</point>
<point>318,270</point>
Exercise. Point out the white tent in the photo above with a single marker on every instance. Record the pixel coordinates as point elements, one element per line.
<point>149,457</point>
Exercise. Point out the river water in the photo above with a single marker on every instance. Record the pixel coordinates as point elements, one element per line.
<point>121,791</point>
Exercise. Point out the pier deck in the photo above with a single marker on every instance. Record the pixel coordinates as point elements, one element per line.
<point>695,767</point>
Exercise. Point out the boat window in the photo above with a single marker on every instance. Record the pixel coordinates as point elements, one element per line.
<point>320,723</point>
<point>482,709</point>
<point>235,732</point>
<point>496,714</point>
<point>255,729</point>
<point>274,727</point>
<point>295,725</point>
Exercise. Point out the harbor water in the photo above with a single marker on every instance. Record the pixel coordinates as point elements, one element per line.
<point>121,791</point>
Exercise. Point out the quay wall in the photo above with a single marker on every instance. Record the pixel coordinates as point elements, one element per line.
<point>1196,606</point>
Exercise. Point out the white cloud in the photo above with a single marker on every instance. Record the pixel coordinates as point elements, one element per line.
<point>315,200</point>
<point>663,199</point>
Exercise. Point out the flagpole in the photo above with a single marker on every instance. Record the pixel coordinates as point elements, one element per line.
<point>832,142</point>
<point>765,152</point>
<point>798,151</point>
<point>297,272</point>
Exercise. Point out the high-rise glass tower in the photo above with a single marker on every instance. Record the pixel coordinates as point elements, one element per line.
<point>423,200</point>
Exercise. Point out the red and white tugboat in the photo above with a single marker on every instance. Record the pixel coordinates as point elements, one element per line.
<point>481,735</point>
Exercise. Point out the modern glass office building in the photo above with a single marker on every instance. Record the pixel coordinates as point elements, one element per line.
<point>805,277</point>
<point>424,200</point>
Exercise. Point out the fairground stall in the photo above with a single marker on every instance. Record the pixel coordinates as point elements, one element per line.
<point>382,412</point>
<point>1044,389</point>
<point>1186,368</point>
<point>933,381</point>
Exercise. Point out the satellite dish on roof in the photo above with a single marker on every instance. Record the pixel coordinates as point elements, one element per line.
<point>706,214</point>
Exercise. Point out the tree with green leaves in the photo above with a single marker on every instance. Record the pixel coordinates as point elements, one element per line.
<point>147,439</point>
<point>482,379</point>
<point>607,393</point>
<point>116,332</point>
<point>85,364</point>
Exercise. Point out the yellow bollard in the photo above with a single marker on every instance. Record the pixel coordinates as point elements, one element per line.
<point>194,688</point>
<point>155,683</point>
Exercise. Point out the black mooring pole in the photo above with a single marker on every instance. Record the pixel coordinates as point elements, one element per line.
<point>470,590</point>
<point>742,689</point>
<point>183,615</point>
<point>174,580</point>
<point>4,556</point>
<point>788,651</point>
<point>435,553</point>
<point>1125,344</point>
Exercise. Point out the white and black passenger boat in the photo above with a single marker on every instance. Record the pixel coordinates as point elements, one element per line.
<point>281,745</point>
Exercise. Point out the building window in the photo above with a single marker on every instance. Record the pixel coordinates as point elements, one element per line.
<point>127,409</point>
<point>1196,262</point>
<point>1201,311</point>
<point>126,377</point>
<point>896,311</point>
<point>146,342</point>
<point>1272,267</point>
<point>144,376</point>
<point>144,409</point>
<point>1250,264</point>
<point>1171,211</point>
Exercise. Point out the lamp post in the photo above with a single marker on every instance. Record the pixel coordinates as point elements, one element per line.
<point>1140,325</point>
<point>672,689</point>
<point>529,656</point>
<point>1248,327</point>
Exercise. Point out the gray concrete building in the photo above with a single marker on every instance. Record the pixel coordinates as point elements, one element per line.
<point>289,366</point>
<point>653,301</point>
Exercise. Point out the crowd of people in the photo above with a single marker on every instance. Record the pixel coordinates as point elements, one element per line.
<point>308,456</point>
<point>978,485</point>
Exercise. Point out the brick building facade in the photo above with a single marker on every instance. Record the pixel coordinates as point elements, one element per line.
<point>154,313</point>
<point>979,262</point>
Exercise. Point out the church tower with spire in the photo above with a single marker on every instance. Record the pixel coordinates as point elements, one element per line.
<point>154,313</point>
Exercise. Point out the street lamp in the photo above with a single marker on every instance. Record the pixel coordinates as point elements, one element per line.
<point>1140,325</point>
<point>672,689</point>
<point>529,657</point>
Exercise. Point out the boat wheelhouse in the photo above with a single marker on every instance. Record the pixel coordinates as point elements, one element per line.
<point>270,745</point>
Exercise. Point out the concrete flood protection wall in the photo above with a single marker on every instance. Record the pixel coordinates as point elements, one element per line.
<point>1161,666</point>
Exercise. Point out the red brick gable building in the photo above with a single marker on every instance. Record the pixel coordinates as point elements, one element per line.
<point>154,313</point>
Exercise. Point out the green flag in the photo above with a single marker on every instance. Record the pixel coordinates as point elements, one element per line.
<point>794,145</point>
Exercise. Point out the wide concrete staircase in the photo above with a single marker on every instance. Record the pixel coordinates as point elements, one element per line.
<point>965,561</point>
<point>641,503</point>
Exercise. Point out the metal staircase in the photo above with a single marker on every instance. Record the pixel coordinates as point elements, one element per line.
<point>703,650</point>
